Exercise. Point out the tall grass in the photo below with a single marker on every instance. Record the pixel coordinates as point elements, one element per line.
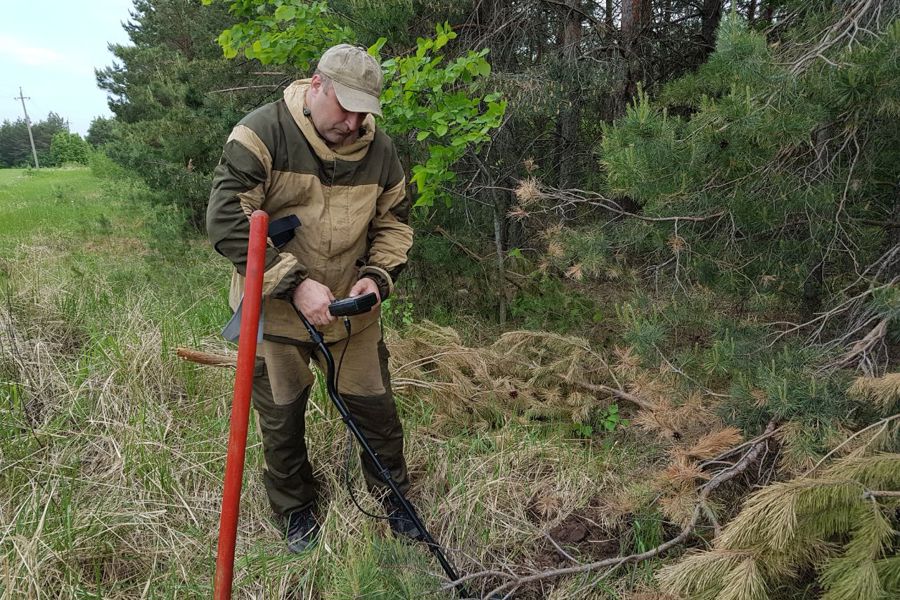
<point>112,452</point>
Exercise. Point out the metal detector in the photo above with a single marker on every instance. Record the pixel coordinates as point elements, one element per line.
<point>345,308</point>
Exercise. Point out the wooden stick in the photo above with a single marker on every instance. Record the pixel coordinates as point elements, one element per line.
<point>207,358</point>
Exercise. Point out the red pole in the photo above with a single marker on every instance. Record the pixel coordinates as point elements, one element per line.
<point>240,407</point>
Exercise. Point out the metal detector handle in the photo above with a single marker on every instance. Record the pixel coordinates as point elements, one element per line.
<point>353,306</point>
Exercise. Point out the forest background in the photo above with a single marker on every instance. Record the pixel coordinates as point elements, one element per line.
<point>653,293</point>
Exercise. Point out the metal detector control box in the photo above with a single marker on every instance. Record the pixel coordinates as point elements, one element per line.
<point>353,306</point>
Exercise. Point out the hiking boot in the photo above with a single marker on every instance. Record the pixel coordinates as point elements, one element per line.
<point>401,524</point>
<point>302,530</point>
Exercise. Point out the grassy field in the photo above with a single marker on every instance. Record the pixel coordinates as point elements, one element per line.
<point>48,202</point>
<point>112,451</point>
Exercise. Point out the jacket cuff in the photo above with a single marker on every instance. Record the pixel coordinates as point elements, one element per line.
<point>291,275</point>
<point>381,278</point>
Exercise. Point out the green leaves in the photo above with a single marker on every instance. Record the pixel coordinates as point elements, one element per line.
<point>285,12</point>
<point>282,31</point>
<point>439,100</point>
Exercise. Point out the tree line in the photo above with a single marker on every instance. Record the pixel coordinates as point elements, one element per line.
<point>54,144</point>
<point>630,100</point>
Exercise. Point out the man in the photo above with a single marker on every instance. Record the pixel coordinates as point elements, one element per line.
<point>335,193</point>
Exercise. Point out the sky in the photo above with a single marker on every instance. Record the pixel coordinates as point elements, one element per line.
<point>50,48</point>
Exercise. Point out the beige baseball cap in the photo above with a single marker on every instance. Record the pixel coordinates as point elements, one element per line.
<point>356,76</point>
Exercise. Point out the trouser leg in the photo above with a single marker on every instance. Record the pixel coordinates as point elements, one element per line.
<point>288,475</point>
<point>366,387</point>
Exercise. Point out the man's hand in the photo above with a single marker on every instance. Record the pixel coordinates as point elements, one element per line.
<point>312,299</point>
<point>363,287</point>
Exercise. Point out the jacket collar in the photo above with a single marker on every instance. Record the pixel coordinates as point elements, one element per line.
<point>295,99</point>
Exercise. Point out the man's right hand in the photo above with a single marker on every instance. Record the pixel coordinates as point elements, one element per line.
<point>312,299</point>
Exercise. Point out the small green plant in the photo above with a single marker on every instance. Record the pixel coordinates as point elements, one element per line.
<point>397,313</point>
<point>583,430</point>
<point>59,193</point>
<point>606,420</point>
<point>610,419</point>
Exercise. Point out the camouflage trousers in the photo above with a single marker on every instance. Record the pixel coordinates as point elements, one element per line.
<point>281,385</point>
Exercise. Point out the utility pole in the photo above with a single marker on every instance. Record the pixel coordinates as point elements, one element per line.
<point>23,98</point>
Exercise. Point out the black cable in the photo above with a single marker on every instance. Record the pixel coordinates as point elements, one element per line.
<point>349,452</point>
<point>335,397</point>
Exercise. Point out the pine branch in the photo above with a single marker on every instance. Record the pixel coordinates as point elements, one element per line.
<point>620,394</point>
<point>567,198</point>
<point>883,423</point>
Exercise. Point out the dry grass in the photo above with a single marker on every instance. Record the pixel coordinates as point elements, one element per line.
<point>112,450</point>
<point>112,454</point>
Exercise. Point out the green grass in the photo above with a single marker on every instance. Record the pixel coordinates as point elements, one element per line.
<point>49,202</point>
<point>112,450</point>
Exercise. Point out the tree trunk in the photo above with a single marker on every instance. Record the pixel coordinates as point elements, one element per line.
<point>635,16</point>
<point>500,208</point>
<point>499,225</point>
<point>635,19</point>
<point>710,17</point>
<point>570,116</point>
<point>768,12</point>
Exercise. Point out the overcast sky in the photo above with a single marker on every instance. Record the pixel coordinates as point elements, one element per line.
<point>50,48</point>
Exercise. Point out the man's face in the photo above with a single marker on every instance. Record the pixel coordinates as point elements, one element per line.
<point>336,125</point>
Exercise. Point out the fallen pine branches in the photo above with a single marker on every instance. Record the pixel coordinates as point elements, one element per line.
<point>526,370</point>
<point>514,582</point>
<point>838,528</point>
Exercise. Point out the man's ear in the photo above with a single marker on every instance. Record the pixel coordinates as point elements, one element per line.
<point>316,82</point>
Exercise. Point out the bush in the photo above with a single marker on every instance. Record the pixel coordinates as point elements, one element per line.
<point>68,147</point>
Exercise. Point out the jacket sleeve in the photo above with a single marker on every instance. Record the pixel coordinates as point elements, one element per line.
<point>239,184</point>
<point>390,236</point>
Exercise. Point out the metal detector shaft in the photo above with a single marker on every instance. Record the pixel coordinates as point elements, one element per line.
<point>383,471</point>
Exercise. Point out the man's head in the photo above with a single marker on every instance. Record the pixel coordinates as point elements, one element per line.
<point>345,88</point>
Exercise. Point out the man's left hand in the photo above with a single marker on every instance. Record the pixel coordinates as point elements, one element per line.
<point>363,287</point>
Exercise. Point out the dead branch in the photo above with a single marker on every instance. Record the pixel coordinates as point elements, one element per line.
<point>857,353</point>
<point>478,259</point>
<point>883,423</point>
<point>207,358</point>
<point>573,196</point>
<point>822,318</point>
<point>468,252</point>
<point>620,394</point>
<point>722,477</point>
<point>560,549</point>
<point>873,494</point>
<point>765,435</point>
<point>848,27</point>
<point>269,86</point>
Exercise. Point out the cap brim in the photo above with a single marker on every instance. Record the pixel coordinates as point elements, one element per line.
<point>355,100</point>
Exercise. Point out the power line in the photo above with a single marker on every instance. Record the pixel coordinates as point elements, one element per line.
<point>23,98</point>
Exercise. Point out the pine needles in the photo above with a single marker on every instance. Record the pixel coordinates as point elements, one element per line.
<point>833,523</point>
<point>883,392</point>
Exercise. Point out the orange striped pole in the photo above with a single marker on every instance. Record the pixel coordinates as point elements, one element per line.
<point>240,407</point>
